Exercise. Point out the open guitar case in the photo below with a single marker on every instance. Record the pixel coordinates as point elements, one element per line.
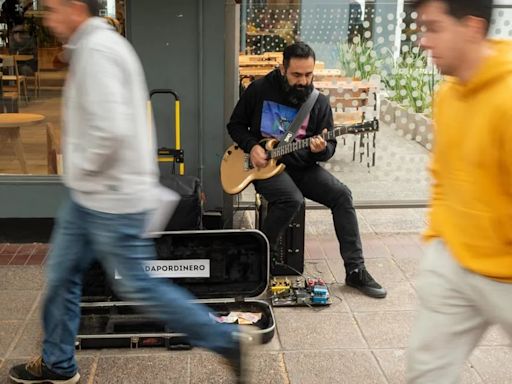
<point>236,281</point>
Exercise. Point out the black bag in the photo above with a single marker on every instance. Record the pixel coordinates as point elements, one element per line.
<point>189,212</point>
<point>188,215</point>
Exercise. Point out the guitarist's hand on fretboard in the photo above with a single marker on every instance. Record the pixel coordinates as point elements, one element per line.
<point>317,143</point>
<point>259,156</point>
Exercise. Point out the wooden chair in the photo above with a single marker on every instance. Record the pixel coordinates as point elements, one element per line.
<point>345,118</point>
<point>326,74</point>
<point>320,76</point>
<point>349,105</point>
<point>274,56</point>
<point>9,100</point>
<point>319,66</point>
<point>341,118</point>
<point>53,152</point>
<point>9,63</point>
<point>36,79</point>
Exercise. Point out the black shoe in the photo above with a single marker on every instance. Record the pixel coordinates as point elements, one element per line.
<point>239,359</point>
<point>360,279</point>
<point>36,372</point>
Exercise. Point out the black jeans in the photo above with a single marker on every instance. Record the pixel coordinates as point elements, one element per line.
<point>286,193</point>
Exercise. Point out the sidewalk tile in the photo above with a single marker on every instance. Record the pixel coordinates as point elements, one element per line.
<point>333,367</point>
<point>393,362</point>
<point>386,329</point>
<point>305,331</point>
<point>143,369</point>
<point>401,297</point>
<point>493,364</point>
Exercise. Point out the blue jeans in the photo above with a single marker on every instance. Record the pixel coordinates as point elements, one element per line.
<point>81,236</point>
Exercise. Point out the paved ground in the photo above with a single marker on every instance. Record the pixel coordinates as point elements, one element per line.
<point>357,340</point>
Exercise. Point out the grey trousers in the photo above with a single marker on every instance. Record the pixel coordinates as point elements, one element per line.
<point>456,307</point>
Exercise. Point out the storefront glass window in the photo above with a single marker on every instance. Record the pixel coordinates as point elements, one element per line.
<point>33,75</point>
<point>370,66</point>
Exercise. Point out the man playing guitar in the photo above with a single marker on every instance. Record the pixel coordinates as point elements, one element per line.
<point>266,109</point>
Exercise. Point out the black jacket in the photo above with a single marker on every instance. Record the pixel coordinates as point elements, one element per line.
<point>245,124</point>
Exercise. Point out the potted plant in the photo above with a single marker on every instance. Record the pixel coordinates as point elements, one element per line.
<point>358,59</point>
<point>410,87</point>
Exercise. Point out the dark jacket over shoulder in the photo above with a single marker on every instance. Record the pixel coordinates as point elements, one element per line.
<point>261,111</point>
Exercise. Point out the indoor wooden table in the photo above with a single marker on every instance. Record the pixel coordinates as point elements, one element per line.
<point>20,57</point>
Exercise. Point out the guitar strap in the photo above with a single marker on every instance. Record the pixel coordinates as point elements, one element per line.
<point>304,110</point>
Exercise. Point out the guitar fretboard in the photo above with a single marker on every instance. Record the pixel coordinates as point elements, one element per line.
<point>370,126</point>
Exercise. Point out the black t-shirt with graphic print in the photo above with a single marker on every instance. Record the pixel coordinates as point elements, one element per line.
<point>263,111</point>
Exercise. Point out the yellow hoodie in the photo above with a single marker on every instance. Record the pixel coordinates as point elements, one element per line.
<point>472,167</point>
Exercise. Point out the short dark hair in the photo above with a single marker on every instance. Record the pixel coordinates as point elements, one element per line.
<point>92,5</point>
<point>462,8</point>
<point>300,49</point>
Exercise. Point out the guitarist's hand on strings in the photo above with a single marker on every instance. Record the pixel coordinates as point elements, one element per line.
<point>259,156</point>
<point>317,143</point>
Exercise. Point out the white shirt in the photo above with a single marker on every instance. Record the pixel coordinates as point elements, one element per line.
<point>109,158</point>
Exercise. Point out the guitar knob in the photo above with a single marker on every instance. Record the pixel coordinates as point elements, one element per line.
<point>236,147</point>
<point>229,152</point>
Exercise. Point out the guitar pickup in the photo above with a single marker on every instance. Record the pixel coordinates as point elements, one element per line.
<point>247,162</point>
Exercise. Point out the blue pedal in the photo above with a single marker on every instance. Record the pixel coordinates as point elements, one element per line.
<point>320,294</point>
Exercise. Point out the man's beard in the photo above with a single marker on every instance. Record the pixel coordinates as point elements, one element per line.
<point>296,94</point>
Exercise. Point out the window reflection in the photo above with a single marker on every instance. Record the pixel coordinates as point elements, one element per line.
<point>33,72</point>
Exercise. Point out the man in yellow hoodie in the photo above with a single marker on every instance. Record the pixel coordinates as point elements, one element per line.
<point>465,283</point>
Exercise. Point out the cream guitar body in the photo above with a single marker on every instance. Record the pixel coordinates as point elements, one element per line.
<point>237,172</point>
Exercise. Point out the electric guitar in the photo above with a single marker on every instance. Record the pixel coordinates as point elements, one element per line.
<point>237,172</point>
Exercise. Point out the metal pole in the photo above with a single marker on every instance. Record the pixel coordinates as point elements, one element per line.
<point>200,133</point>
<point>243,25</point>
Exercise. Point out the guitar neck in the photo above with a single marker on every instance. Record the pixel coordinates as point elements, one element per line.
<point>369,126</point>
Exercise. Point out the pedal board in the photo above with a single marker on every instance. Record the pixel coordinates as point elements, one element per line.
<point>298,292</point>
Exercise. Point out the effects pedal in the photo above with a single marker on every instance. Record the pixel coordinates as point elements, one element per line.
<point>280,286</point>
<point>299,292</point>
<point>319,291</point>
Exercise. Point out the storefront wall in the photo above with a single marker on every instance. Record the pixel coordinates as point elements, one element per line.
<point>182,46</point>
